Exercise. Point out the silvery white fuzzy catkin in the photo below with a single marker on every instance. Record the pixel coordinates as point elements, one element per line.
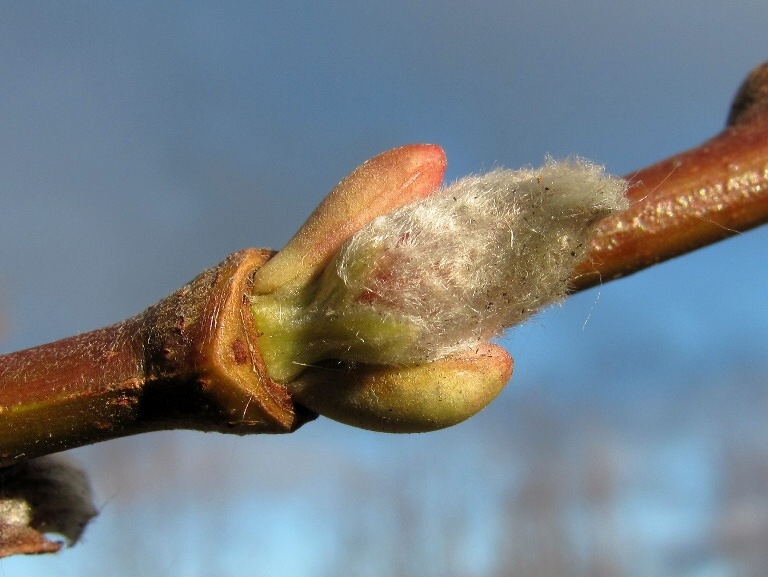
<point>460,266</point>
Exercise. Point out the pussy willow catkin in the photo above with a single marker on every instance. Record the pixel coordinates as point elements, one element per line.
<point>460,266</point>
<point>441,274</point>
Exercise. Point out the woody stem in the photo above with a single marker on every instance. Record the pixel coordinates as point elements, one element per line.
<point>692,199</point>
<point>188,361</point>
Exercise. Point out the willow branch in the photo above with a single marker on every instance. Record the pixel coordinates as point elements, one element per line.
<point>692,199</point>
<point>190,361</point>
<point>193,361</point>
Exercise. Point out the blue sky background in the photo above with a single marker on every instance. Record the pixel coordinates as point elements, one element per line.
<point>142,142</point>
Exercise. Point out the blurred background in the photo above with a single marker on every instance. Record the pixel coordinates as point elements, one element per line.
<point>142,142</point>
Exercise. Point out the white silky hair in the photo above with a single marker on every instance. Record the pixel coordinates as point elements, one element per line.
<point>474,258</point>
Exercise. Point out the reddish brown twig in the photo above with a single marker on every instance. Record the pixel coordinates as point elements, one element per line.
<point>692,199</point>
<point>191,361</point>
